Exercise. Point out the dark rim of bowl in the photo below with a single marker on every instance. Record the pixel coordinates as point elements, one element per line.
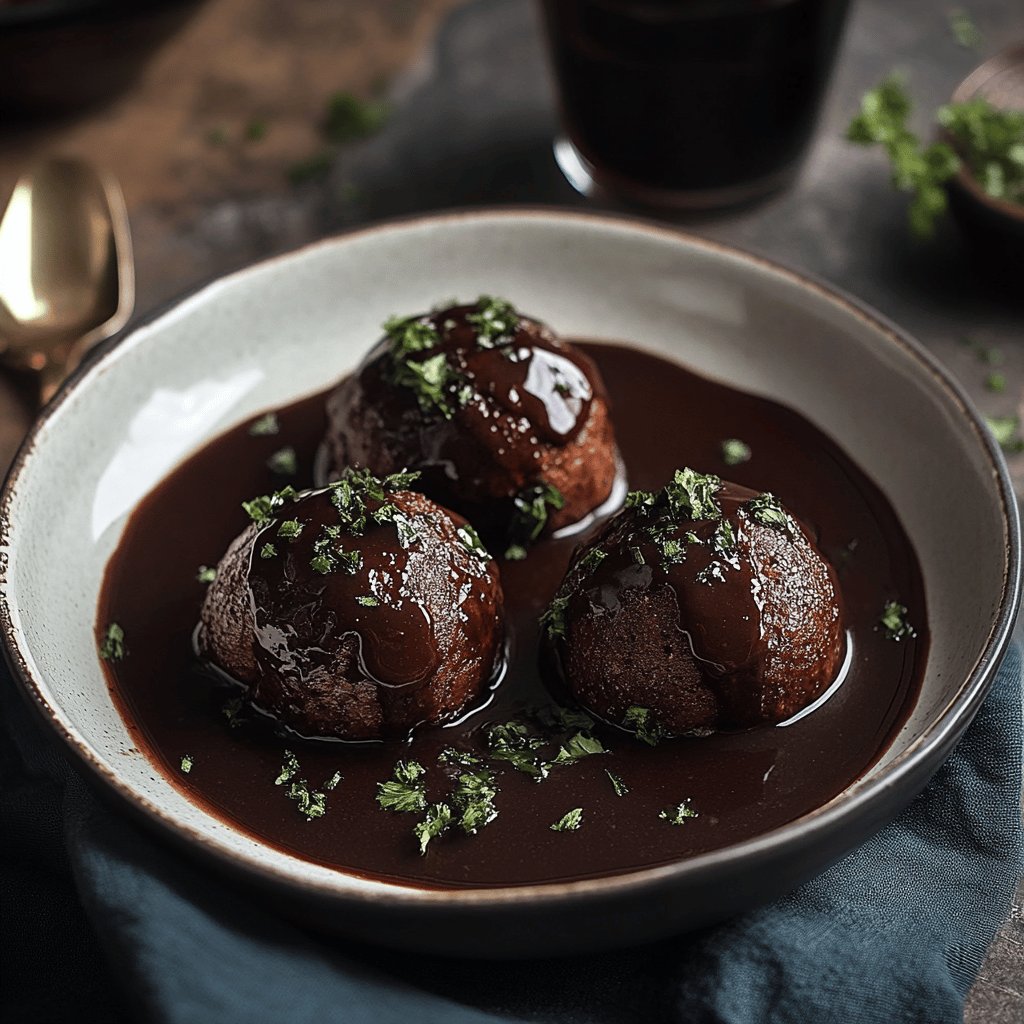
<point>949,723</point>
<point>966,90</point>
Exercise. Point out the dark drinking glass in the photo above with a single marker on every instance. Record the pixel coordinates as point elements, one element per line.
<point>690,103</point>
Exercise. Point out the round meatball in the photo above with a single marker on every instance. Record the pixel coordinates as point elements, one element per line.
<point>702,607</point>
<point>358,611</point>
<point>507,424</point>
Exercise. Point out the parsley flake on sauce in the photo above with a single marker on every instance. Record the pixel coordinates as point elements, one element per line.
<point>113,647</point>
<point>644,724</point>
<point>268,551</point>
<point>186,763</point>
<point>265,426</point>
<point>735,452</point>
<point>621,789</point>
<point>894,622</point>
<point>569,822</point>
<point>404,791</point>
<point>206,574</point>
<point>474,798</point>
<point>678,815</point>
<point>284,462</point>
<point>436,822</point>
<point>310,803</point>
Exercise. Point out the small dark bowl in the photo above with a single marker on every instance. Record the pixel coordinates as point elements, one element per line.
<point>61,56</point>
<point>994,227</point>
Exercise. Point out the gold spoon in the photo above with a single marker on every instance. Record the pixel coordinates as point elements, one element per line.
<point>67,280</point>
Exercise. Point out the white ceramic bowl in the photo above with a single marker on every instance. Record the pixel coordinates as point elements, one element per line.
<point>285,328</point>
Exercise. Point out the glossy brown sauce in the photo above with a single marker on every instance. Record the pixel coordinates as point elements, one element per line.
<point>740,784</point>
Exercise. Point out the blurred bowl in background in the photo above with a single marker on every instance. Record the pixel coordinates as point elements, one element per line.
<point>61,56</point>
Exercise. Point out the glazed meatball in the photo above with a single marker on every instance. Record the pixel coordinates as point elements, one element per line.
<point>702,607</point>
<point>507,424</point>
<point>358,611</point>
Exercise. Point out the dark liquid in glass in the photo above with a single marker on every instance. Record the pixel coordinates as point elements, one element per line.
<point>692,102</point>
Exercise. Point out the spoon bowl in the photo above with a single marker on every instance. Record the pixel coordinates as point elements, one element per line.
<point>68,278</point>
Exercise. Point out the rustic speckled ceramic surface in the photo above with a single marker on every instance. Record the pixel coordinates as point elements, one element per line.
<point>287,327</point>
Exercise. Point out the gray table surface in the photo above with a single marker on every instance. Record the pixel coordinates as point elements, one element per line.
<point>472,124</point>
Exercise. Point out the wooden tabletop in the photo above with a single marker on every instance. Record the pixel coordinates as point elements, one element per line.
<point>221,149</point>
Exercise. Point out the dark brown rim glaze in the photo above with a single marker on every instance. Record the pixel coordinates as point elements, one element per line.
<point>872,800</point>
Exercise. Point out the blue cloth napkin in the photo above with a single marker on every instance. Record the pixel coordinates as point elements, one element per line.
<point>103,923</point>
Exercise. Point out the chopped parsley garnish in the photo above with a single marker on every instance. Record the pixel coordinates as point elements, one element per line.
<point>531,508</point>
<point>621,789</point>
<point>643,722</point>
<point>724,540</point>
<point>920,170</point>
<point>261,510</point>
<point>735,452</point>
<point>436,822</point>
<point>284,462</point>
<point>113,647</point>
<point>311,803</point>
<point>186,763</point>
<point>368,601</point>
<point>965,32</point>
<point>206,574</point>
<point>513,742</point>
<point>554,716</point>
<point>349,118</point>
<point>580,745</point>
<point>1006,431</point>
<point>315,167</point>
<point>410,334</point>
<point>989,140</point>
<point>289,529</point>
<point>474,798</point>
<point>436,385</point>
<point>289,768</point>
<point>569,822</point>
<point>767,510</point>
<point>553,618</point>
<point>265,426</point>
<point>894,622</point>
<point>255,130</point>
<point>268,551</point>
<point>996,382</point>
<point>404,791</point>
<point>495,320</point>
<point>471,542</point>
<point>691,495</point>
<point>677,815</point>
<point>515,552</point>
<point>460,757</point>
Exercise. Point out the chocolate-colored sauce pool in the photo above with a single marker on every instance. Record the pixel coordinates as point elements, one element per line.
<point>739,784</point>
